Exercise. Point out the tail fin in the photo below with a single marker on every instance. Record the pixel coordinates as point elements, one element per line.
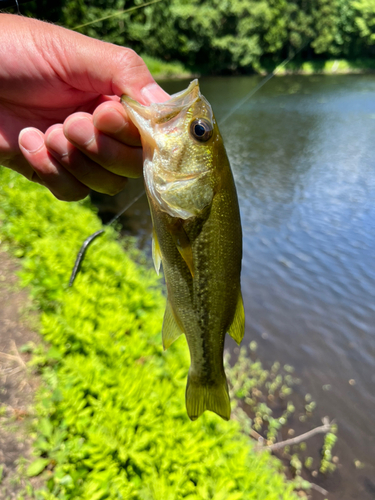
<point>201,397</point>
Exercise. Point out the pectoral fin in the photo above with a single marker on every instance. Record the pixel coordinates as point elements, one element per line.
<point>156,253</point>
<point>183,245</point>
<point>171,329</point>
<point>237,328</point>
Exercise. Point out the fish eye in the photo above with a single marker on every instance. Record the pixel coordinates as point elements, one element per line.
<point>201,129</point>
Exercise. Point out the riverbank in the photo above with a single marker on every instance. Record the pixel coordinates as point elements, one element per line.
<point>162,70</point>
<point>328,67</point>
<point>109,417</point>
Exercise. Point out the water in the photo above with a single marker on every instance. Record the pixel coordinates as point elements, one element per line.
<point>303,154</point>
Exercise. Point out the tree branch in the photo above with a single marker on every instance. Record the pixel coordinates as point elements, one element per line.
<point>12,357</point>
<point>318,488</point>
<point>322,429</point>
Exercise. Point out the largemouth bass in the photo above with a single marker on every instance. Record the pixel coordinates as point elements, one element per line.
<point>196,236</point>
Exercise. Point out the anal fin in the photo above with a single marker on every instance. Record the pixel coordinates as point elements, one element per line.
<point>171,329</point>
<point>237,328</point>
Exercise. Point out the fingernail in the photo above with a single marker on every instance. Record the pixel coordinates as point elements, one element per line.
<point>80,131</point>
<point>57,142</point>
<point>153,93</point>
<point>31,139</point>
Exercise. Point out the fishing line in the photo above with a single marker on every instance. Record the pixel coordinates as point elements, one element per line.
<point>118,13</point>
<point>261,84</point>
<point>12,3</point>
<point>91,238</point>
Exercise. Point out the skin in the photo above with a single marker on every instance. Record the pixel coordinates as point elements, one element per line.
<point>61,122</point>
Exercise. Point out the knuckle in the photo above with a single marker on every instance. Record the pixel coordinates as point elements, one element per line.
<point>128,58</point>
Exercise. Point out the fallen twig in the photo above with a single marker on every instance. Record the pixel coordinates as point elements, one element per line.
<point>19,358</point>
<point>318,488</point>
<point>13,357</point>
<point>10,371</point>
<point>254,434</point>
<point>322,429</point>
<point>8,356</point>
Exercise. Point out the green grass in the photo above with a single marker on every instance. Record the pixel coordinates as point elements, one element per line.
<point>329,66</point>
<point>110,419</point>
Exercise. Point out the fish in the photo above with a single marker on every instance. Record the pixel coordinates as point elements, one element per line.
<point>197,237</point>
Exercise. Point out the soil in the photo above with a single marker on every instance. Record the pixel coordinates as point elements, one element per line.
<point>17,384</point>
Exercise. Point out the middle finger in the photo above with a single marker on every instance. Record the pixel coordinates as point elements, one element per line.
<point>108,152</point>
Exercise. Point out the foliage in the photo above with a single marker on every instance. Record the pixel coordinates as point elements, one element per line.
<point>258,390</point>
<point>110,419</point>
<point>328,66</point>
<point>326,464</point>
<point>364,19</point>
<point>216,36</point>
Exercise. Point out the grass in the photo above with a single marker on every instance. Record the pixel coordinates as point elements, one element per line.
<point>110,419</point>
<point>328,66</point>
<point>163,70</point>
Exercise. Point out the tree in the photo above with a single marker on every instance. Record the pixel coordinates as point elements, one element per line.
<point>364,20</point>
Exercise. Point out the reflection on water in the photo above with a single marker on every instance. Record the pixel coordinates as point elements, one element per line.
<point>302,152</point>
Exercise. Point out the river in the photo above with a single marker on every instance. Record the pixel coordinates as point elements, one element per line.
<point>302,150</point>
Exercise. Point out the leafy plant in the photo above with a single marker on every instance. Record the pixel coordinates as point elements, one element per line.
<point>326,464</point>
<point>256,391</point>
<point>261,404</point>
<point>110,419</point>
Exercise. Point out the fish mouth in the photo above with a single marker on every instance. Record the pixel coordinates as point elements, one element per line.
<point>161,112</point>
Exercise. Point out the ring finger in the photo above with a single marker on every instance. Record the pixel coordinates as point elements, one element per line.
<point>84,169</point>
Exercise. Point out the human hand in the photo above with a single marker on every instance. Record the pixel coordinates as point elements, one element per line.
<point>61,120</point>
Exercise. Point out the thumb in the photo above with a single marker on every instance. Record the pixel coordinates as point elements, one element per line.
<point>104,68</point>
